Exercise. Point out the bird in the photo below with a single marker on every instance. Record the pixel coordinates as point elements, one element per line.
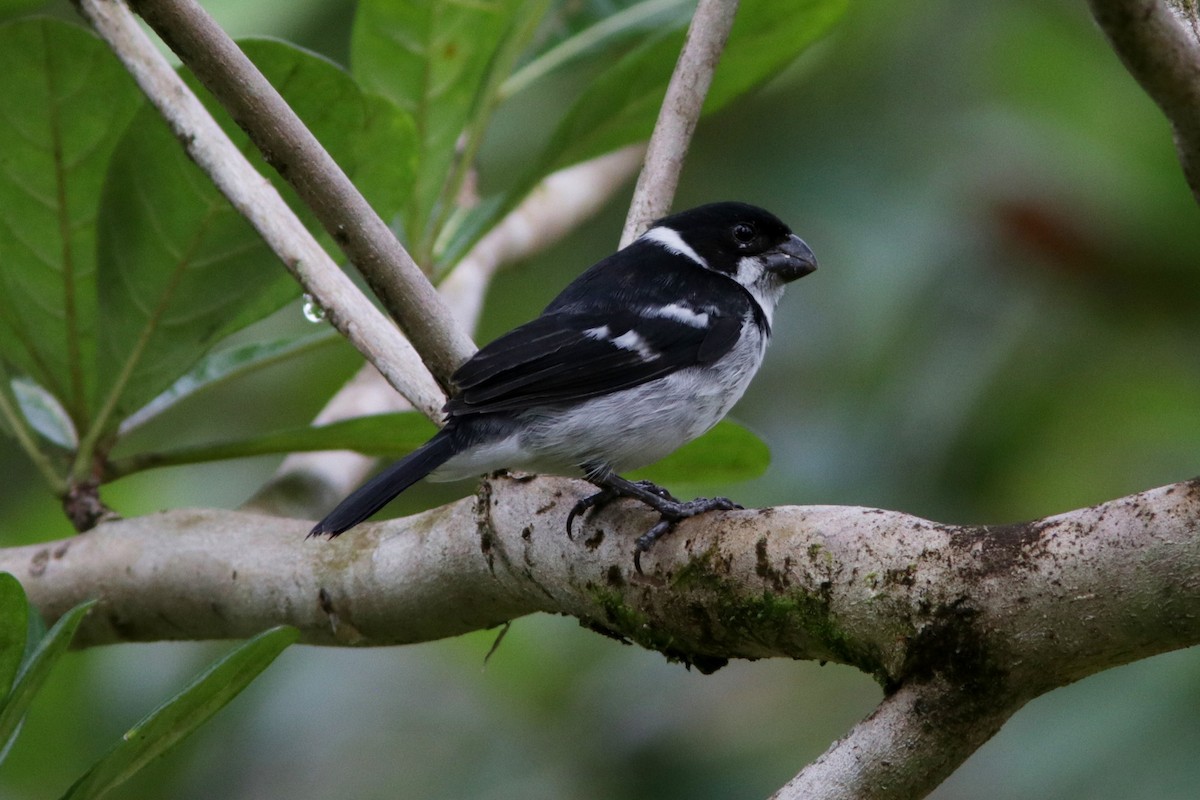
<point>643,352</point>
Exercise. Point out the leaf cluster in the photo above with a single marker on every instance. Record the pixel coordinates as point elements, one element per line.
<point>29,652</point>
<point>128,279</point>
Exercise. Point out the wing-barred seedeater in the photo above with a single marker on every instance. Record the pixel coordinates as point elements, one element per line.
<point>642,353</point>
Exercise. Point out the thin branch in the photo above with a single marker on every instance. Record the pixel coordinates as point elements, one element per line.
<point>308,484</point>
<point>296,154</point>
<point>906,747</point>
<point>1160,46</point>
<point>677,118</point>
<point>254,197</point>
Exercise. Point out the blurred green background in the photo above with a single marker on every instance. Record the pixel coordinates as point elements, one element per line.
<point>1004,326</point>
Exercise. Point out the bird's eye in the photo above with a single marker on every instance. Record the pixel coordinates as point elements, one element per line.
<point>743,233</point>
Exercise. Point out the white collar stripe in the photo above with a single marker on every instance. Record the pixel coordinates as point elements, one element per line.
<point>673,242</point>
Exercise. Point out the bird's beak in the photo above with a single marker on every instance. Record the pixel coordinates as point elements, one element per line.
<point>791,260</point>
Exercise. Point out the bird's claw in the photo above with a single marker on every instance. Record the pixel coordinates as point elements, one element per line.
<point>598,500</point>
<point>670,510</point>
<point>669,517</point>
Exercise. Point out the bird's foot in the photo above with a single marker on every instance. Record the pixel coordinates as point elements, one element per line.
<point>670,509</point>
<point>670,514</point>
<point>606,495</point>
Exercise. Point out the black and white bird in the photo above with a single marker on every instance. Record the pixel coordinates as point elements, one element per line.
<point>642,353</point>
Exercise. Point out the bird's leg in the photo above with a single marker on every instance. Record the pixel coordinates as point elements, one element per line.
<point>670,509</point>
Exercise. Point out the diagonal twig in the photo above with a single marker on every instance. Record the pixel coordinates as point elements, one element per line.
<point>254,197</point>
<point>677,118</point>
<point>1159,44</point>
<point>296,154</point>
<point>307,484</point>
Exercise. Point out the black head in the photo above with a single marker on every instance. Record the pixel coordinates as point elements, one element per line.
<point>724,234</point>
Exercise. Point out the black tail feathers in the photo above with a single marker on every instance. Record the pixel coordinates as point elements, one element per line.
<point>379,491</point>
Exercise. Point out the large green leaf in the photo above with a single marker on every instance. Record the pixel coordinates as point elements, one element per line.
<point>727,454</point>
<point>377,435</point>
<point>575,33</point>
<point>36,667</point>
<point>434,60</point>
<point>174,720</point>
<point>620,106</point>
<point>180,269</point>
<point>230,363</point>
<point>373,140</point>
<point>66,100</point>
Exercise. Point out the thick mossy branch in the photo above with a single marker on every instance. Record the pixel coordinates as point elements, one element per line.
<point>961,625</point>
<point>1029,605</point>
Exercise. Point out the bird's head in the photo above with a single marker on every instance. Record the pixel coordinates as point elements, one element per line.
<point>749,244</point>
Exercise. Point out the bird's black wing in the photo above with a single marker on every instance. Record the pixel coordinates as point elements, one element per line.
<point>567,356</point>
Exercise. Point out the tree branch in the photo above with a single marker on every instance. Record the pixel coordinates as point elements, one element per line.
<point>960,624</point>
<point>678,115</point>
<point>295,153</point>
<point>1159,44</point>
<point>254,197</point>
<point>906,747</point>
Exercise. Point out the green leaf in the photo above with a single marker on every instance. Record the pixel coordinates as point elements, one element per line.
<point>44,413</point>
<point>620,106</point>
<point>432,59</point>
<point>180,268</point>
<point>726,454</point>
<point>65,102</point>
<point>521,29</point>
<point>36,668</point>
<point>174,720</point>
<point>384,164</point>
<point>16,637</point>
<point>14,628</point>
<point>373,140</point>
<point>225,365</point>
<point>377,435</point>
<point>586,36</point>
<point>16,8</point>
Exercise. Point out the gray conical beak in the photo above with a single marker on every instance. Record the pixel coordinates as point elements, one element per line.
<point>791,260</point>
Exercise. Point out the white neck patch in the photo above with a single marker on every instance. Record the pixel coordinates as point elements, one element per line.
<point>673,242</point>
<point>763,287</point>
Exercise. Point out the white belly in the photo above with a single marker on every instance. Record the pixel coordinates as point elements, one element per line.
<point>626,430</point>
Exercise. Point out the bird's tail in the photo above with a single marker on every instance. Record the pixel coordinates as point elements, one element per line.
<point>377,492</point>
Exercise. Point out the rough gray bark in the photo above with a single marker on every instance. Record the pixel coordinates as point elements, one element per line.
<point>960,624</point>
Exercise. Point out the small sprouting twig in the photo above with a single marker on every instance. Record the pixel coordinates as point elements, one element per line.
<point>677,118</point>
<point>254,197</point>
